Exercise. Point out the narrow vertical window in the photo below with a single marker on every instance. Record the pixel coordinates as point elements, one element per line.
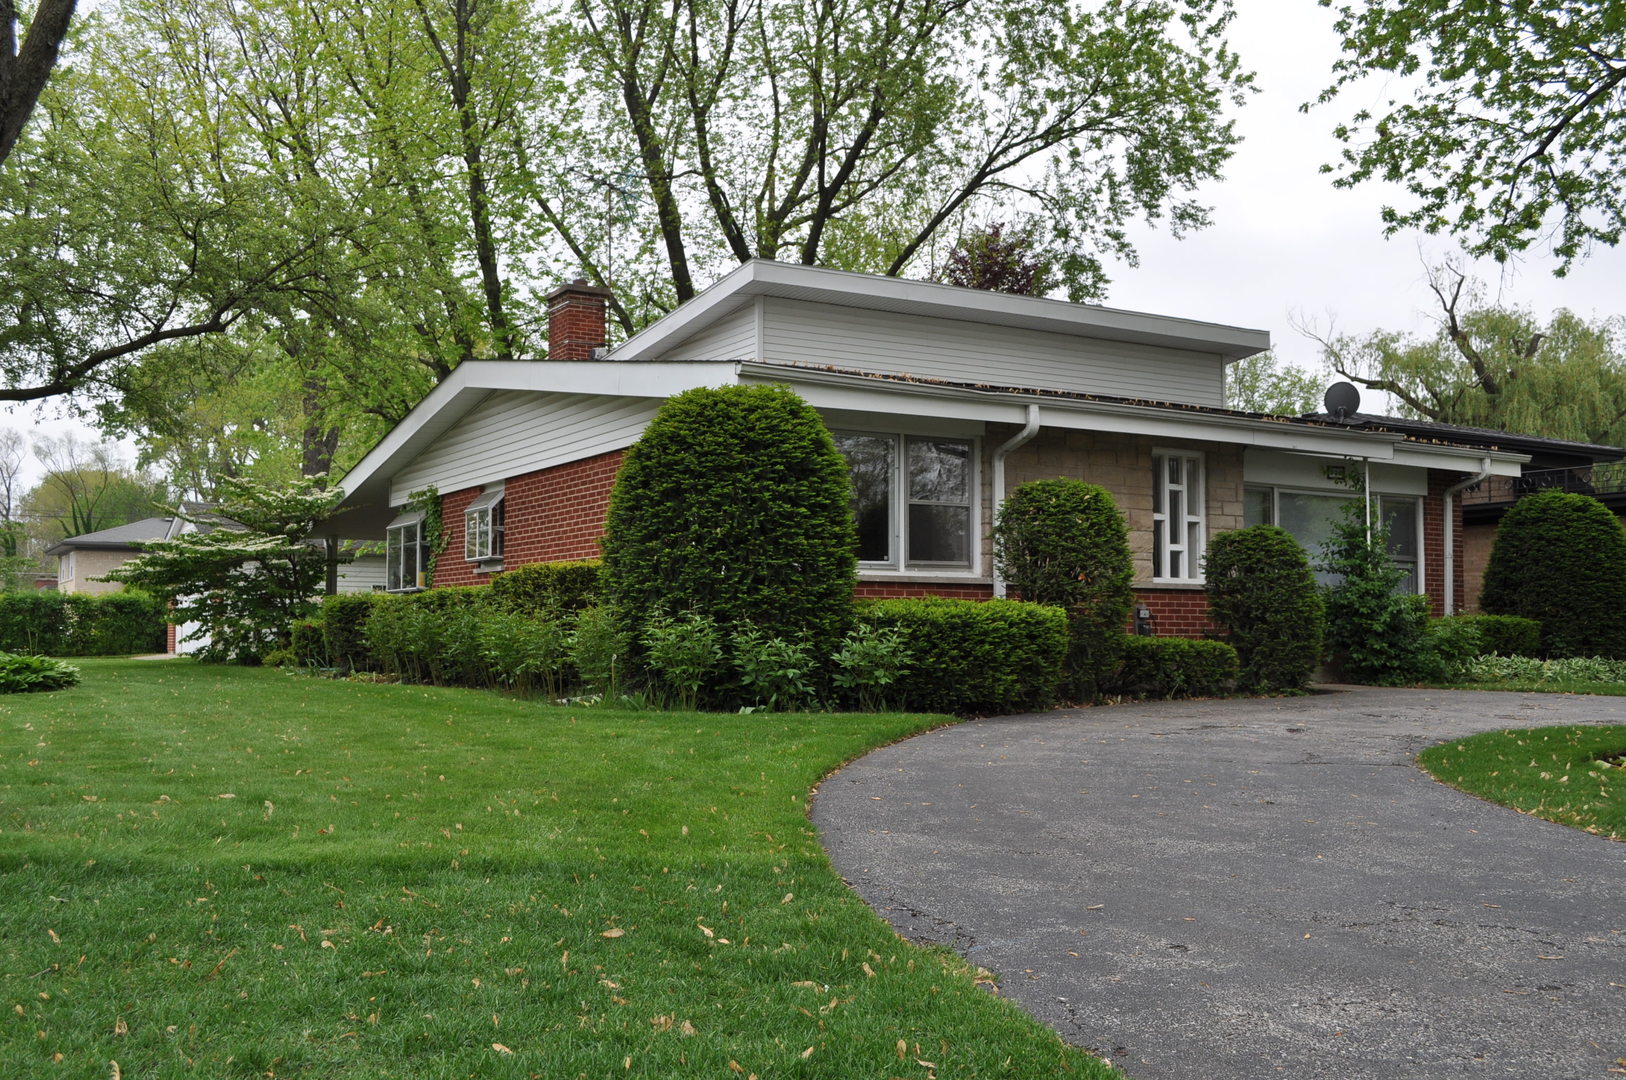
<point>871,459</point>
<point>1177,517</point>
<point>482,526</point>
<point>940,502</point>
<point>403,553</point>
<point>1401,520</point>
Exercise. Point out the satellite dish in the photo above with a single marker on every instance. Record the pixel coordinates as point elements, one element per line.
<point>1342,399</point>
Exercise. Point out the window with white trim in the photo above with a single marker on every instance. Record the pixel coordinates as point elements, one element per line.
<point>914,500</point>
<point>406,556</point>
<point>1177,516</point>
<point>483,526</point>
<point>1311,515</point>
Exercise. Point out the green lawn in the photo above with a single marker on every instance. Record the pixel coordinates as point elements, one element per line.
<point>222,872</point>
<point>1572,775</point>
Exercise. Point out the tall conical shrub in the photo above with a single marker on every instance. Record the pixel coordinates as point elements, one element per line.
<point>1560,558</point>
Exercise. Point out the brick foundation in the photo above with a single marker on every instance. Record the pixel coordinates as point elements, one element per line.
<point>1176,612</point>
<point>887,590</point>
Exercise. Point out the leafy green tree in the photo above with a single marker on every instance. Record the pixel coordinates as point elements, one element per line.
<point>16,560</point>
<point>1511,128</point>
<point>248,573</point>
<point>1560,558</point>
<point>1064,542</point>
<point>1262,383</point>
<point>1499,368</point>
<point>133,217</point>
<point>88,487</point>
<point>734,505</point>
<point>25,69</point>
<point>861,135</point>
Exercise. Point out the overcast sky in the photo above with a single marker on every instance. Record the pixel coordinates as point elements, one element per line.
<point>1284,242</point>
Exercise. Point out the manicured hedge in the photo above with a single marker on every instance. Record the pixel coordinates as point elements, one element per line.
<point>1560,558</point>
<point>1262,595</point>
<point>343,622</point>
<point>1166,667</point>
<point>1504,635</point>
<point>75,624</point>
<point>971,657</point>
<point>1064,542</point>
<point>734,504</point>
<point>552,589</point>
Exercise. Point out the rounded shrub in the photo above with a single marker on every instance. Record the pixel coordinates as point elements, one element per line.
<point>736,505</point>
<point>1560,558</point>
<point>1064,542</point>
<point>1264,598</point>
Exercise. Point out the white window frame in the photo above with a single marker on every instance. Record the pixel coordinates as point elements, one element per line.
<point>899,501</point>
<point>1186,536</point>
<point>398,577</point>
<point>483,526</point>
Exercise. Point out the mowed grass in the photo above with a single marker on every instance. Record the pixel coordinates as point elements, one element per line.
<point>219,872</point>
<point>1572,775</point>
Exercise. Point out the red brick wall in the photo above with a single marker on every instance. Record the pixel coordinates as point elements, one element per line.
<point>452,568</point>
<point>886,590</point>
<point>1176,612</point>
<point>1434,540</point>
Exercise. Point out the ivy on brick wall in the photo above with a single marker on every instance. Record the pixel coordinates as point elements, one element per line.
<point>427,502</point>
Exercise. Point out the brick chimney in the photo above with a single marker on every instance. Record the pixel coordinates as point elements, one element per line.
<point>576,320</point>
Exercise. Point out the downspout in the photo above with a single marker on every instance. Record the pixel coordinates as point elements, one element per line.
<point>1366,495</point>
<point>1450,560</point>
<point>1015,442</point>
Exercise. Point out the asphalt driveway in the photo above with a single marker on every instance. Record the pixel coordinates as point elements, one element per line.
<point>1245,889</point>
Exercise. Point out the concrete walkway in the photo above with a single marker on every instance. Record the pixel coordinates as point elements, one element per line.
<point>1246,889</point>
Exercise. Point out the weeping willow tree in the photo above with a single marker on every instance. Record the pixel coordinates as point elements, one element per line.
<point>1498,367</point>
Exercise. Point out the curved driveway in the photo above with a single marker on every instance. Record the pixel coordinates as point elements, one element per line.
<point>1256,888</point>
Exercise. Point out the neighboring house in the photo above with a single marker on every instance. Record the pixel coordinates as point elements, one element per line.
<point>1585,468</point>
<point>942,399</point>
<point>83,560</point>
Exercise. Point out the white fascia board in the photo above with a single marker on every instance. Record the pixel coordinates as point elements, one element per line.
<point>474,380</point>
<point>842,288</point>
<point>1460,459</point>
<point>832,390</point>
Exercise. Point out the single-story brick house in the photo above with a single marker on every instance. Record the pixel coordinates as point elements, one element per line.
<point>942,399</point>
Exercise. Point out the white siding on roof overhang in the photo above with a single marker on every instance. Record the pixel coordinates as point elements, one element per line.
<point>515,432</point>
<point>979,353</point>
<point>733,337</point>
<point>364,573</point>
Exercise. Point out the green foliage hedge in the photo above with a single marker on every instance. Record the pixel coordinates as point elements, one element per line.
<point>76,624</point>
<point>974,657</point>
<point>734,504</point>
<point>1560,558</point>
<point>1504,635</point>
<point>1064,542</point>
<point>1158,667</point>
<point>1374,633</point>
<point>551,589</point>
<point>1262,594</point>
<point>32,674</point>
<point>343,622</point>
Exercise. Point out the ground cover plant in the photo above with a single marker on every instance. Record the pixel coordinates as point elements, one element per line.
<point>238,872</point>
<point>1572,775</point>
<point>1527,674</point>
